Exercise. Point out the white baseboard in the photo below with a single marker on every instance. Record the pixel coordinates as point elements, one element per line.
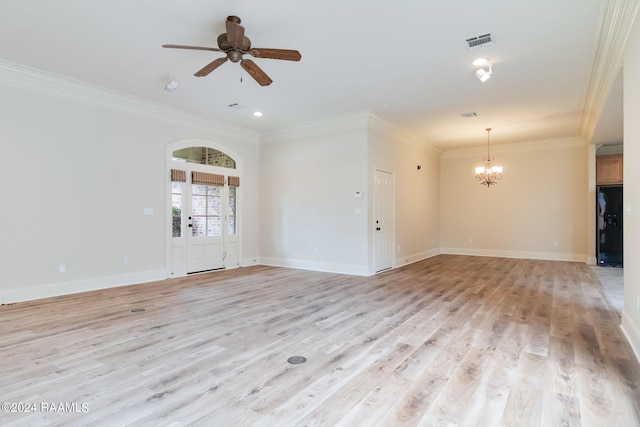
<point>549,256</point>
<point>47,290</point>
<point>402,261</point>
<point>248,262</point>
<point>632,332</point>
<point>356,270</point>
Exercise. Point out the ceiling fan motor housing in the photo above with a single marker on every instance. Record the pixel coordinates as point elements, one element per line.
<point>234,53</point>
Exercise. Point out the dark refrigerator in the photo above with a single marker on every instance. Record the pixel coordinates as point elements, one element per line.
<point>609,223</point>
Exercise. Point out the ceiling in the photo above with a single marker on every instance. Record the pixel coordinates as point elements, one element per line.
<point>407,61</point>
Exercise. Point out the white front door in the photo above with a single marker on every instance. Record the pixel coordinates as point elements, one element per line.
<point>383,211</point>
<point>204,211</point>
<point>204,222</point>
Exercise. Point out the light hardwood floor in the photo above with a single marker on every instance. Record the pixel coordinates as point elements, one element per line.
<point>612,281</point>
<point>449,341</point>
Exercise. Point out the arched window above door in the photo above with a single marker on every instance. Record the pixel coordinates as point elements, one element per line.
<point>204,156</point>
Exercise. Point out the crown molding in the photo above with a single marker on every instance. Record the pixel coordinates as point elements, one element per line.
<point>383,125</point>
<point>607,149</point>
<point>614,26</point>
<point>355,120</point>
<point>518,147</point>
<point>31,79</point>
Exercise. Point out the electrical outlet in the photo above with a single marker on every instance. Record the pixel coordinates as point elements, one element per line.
<point>125,259</point>
<point>62,268</point>
<point>470,240</point>
<point>555,244</point>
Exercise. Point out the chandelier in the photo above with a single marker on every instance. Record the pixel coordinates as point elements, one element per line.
<point>488,174</point>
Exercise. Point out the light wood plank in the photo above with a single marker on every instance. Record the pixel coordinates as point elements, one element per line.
<point>448,341</point>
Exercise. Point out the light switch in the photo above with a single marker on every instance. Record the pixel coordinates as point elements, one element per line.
<point>148,211</point>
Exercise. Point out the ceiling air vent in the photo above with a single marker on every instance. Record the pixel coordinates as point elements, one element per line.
<point>475,42</point>
<point>467,115</point>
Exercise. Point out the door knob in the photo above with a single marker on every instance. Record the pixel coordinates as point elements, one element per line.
<point>377,228</point>
<point>190,225</point>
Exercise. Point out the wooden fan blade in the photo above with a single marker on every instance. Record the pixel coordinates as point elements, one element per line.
<point>235,33</point>
<point>287,55</point>
<point>256,72</point>
<point>180,46</point>
<point>210,67</point>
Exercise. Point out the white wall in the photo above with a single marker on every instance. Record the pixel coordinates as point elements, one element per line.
<point>631,196</point>
<point>77,177</point>
<point>309,177</point>
<point>308,180</point>
<point>541,200</point>
<point>417,191</point>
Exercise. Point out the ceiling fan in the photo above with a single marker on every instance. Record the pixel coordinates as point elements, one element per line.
<point>235,44</point>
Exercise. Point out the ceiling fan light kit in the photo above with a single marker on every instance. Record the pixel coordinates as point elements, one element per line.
<point>235,44</point>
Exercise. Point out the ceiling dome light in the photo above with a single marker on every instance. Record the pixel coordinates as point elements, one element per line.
<point>257,114</point>
<point>171,84</point>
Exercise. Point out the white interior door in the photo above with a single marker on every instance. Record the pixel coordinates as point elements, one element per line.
<point>383,209</point>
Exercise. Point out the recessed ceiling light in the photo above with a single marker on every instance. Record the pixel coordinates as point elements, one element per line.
<point>257,114</point>
<point>480,62</point>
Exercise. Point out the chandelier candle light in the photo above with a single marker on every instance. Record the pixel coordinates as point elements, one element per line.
<point>488,174</point>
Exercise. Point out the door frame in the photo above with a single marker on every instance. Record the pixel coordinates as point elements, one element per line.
<point>169,164</point>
